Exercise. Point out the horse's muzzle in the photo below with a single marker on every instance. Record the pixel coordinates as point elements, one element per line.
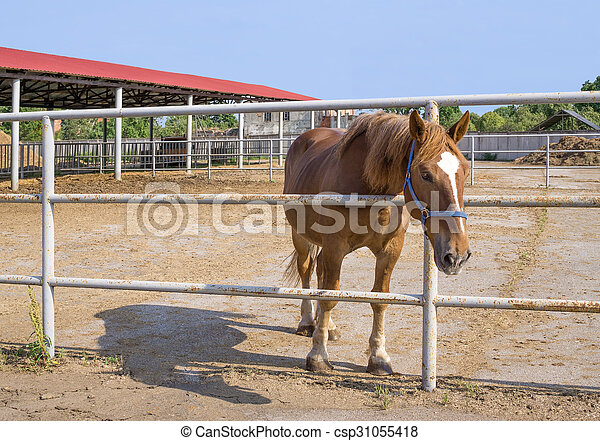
<point>451,263</point>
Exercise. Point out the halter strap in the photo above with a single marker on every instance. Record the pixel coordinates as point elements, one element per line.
<point>425,213</point>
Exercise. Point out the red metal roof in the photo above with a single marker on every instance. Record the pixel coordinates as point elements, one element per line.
<point>38,62</point>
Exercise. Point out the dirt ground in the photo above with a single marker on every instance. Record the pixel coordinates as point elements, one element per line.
<point>128,355</point>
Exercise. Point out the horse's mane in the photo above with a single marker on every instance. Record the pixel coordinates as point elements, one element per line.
<point>388,139</point>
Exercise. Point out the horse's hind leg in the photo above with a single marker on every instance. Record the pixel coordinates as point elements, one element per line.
<point>318,359</point>
<point>305,263</point>
<point>379,360</point>
<point>333,331</point>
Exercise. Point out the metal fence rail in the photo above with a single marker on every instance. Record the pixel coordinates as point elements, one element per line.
<point>429,300</point>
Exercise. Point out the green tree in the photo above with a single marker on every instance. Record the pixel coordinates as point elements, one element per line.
<point>589,85</point>
<point>449,115</point>
<point>405,110</point>
<point>474,122</point>
<point>491,122</point>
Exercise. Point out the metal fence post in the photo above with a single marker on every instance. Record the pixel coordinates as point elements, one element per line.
<point>101,156</point>
<point>209,157</point>
<point>430,286</point>
<point>472,160</point>
<point>270,159</point>
<point>547,161</point>
<point>188,136</point>
<point>22,160</point>
<point>241,137</point>
<point>118,131</point>
<point>14,135</point>
<point>153,158</point>
<point>48,233</point>
<point>280,149</point>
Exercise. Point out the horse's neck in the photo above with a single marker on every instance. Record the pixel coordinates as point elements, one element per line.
<point>392,173</point>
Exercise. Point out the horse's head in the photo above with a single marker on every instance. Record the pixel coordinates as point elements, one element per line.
<point>438,177</point>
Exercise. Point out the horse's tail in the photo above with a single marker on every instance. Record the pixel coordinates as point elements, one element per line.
<point>291,276</point>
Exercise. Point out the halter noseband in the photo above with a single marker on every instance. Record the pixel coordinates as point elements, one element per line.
<point>425,213</point>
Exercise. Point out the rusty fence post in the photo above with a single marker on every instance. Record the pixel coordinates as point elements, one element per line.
<point>430,286</point>
<point>48,233</point>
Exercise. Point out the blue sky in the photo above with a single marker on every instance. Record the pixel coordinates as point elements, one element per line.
<point>326,49</point>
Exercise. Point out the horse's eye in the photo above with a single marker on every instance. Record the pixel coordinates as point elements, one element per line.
<point>426,177</point>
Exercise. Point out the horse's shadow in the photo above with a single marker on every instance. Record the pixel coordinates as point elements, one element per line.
<point>194,349</point>
<point>187,348</point>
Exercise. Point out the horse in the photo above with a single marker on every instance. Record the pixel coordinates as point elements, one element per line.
<point>379,154</point>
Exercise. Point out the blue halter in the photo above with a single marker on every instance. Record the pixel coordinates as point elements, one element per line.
<point>425,213</point>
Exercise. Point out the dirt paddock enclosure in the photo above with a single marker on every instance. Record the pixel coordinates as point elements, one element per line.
<point>129,355</point>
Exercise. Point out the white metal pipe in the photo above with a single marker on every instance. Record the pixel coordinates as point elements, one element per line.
<point>296,106</point>
<point>557,134</point>
<point>237,290</point>
<point>574,201</point>
<point>338,121</point>
<point>11,279</point>
<point>225,198</point>
<point>118,132</point>
<point>532,201</point>
<point>20,198</point>
<point>188,137</point>
<point>312,119</point>
<point>14,134</point>
<point>548,305</point>
<point>430,289</point>
<point>519,304</point>
<point>48,233</point>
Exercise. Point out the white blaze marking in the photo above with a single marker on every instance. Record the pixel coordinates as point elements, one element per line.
<point>449,165</point>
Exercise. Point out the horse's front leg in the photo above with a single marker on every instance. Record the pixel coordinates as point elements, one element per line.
<point>379,360</point>
<point>329,264</point>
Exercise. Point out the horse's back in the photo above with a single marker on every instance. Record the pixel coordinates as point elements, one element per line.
<point>306,158</point>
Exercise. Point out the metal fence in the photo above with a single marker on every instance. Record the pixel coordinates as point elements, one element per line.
<point>429,300</point>
<point>513,149</point>
<point>145,155</point>
<point>213,154</point>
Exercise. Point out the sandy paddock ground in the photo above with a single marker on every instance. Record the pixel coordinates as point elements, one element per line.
<point>196,357</point>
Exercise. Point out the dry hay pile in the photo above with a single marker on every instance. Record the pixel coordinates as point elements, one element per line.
<point>4,149</point>
<point>4,138</point>
<point>573,143</point>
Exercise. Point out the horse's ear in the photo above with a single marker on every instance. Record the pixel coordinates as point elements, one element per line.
<point>458,130</point>
<point>417,127</point>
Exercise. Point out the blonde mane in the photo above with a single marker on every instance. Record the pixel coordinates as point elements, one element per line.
<point>388,139</point>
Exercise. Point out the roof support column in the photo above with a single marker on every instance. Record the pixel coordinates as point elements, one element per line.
<point>118,131</point>
<point>188,137</point>
<point>14,150</point>
<point>312,119</point>
<point>280,149</point>
<point>338,119</point>
<point>241,142</point>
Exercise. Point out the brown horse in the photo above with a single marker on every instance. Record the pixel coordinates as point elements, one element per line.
<point>371,158</point>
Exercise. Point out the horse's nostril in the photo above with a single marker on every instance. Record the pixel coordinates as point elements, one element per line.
<point>449,259</point>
